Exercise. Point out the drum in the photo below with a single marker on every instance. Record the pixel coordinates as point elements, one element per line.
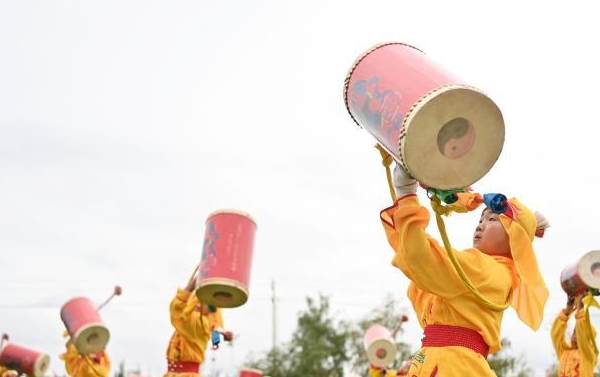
<point>24,360</point>
<point>379,345</point>
<point>582,275</point>
<point>247,372</point>
<point>445,133</point>
<point>224,270</point>
<point>86,328</point>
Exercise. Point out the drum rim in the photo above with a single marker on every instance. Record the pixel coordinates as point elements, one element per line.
<point>357,62</point>
<point>426,99</point>
<point>210,283</point>
<point>230,211</point>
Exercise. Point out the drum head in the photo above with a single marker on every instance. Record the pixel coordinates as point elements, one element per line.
<point>222,293</point>
<point>91,338</point>
<point>589,269</point>
<point>452,137</point>
<point>42,363</point>
<point>381,352</point>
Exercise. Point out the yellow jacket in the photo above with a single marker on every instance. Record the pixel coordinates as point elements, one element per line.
<point>92,365</point>
<point>192,330</point>
<point>440,297</point>
<point>578,362</point>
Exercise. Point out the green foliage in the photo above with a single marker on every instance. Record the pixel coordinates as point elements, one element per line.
<point>324,347</point>
<point>505,364</point>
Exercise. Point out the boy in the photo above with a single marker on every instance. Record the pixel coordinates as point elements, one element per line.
<point>577,359</point>
<point>193,322</point>
<point>460,329</point>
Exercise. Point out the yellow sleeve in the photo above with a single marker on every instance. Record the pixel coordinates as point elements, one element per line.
<point>586,342</point>
<point>426,263</point>
<point>557,333</point>
<point>78,365</point>
<point>186,319</point>
<point>72,359</point>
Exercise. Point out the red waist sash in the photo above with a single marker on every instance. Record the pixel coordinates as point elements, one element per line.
<point>446,335</point>
<point>175,366</point>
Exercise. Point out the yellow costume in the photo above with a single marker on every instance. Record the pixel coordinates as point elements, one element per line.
<point>384,372</point>
<point>579,362</point>
<point>193,325</point>
<point>459,329</point>
<point>92,365</point>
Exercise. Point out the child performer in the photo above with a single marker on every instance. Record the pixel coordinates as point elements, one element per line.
<point>462,323</point>
<point>193,322</point>
<point>95,364</point>
<point>578,357</point>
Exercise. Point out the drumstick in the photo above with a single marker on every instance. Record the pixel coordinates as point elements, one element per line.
<point>403,318</point>
<point>116,292</point>
<point>193,277</point>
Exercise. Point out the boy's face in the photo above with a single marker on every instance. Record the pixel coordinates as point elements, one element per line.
<point>490,237</point>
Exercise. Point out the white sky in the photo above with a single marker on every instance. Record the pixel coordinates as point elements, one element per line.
<point>123,124</point>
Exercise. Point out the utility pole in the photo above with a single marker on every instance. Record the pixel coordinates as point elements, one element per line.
<point>274,313</point>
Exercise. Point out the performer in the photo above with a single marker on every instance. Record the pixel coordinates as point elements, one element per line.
<point>462,323</point>
<point>384,372</point>
<point>194,323</point>
<point>6,372</point>
<point>95,364</point>
<point>578,357</point>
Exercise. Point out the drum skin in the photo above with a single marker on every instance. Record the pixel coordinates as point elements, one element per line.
<point>226,262</point>
<point>379,346</point>
<point>445,133</point>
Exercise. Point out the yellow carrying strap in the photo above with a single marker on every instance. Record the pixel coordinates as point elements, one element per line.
<point>440,210</point>
<point>458,268</point>
<point>386,160</point>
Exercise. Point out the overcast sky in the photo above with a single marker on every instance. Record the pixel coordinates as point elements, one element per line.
<point>124,124</point>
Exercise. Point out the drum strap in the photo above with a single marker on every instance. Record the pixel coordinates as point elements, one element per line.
<point>386,160</point>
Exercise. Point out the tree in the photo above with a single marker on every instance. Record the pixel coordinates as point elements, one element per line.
<point>505,364</point>
<point>385,315</point>
<point>324,347</point>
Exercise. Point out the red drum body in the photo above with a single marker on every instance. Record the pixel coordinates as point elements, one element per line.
<point>379,345</point>
<point>445,133</point>
<point>225,266</point>
<point>246,372</point>
<point>24,360</point>
<point>86,328</point>
<point>582,275</point>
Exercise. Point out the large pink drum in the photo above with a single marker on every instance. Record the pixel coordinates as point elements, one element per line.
<point>379,345</point>
<point>444,132</point>
<point>24,360</point>
<point>582,275</point>
<point>83,322</point>
<point>247,372</point>
<point>225,266</point>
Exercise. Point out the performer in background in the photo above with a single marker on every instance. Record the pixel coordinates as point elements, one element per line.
<point>95,364</point>
<point>460,327</point>
<point>194,323</point>
<point>5,372</point>
<point>578,357</point>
